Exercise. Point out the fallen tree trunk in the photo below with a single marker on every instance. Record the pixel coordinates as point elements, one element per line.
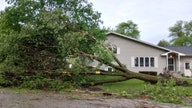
<point>127,73</point>
<point>107,81</point>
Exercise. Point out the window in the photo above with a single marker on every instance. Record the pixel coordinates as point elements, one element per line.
<point>187,65</point>
<point>144,62</point>
<point>114,49</point>
<point>152,62</point>
<point>136,61</point>
<point>141,62</point>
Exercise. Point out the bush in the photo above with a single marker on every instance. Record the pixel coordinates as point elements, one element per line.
<point>165,92</point>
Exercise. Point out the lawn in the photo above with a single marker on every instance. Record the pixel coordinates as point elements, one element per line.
<point>133,84</point>
<point>167,93</point>
<point>128,85</point>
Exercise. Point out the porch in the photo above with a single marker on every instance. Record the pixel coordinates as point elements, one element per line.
<point>174,64</point>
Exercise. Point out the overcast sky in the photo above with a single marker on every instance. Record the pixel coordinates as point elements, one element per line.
<point>153,17</point>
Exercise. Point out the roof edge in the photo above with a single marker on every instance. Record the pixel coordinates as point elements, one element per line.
<point>140,41</point>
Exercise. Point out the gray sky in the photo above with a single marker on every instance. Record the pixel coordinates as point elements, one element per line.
<point>153,17</point>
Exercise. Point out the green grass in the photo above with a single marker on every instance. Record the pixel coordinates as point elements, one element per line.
<point>135,88</point>
<point>133,84</point>
<point>117,87</point>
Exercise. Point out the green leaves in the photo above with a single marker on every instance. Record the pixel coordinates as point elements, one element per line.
<point>37,35</point>
<point>128,28</point>
<point>163,43</point>
<point>166,92</point>
<point>181,33</point>
<point>183,41</point>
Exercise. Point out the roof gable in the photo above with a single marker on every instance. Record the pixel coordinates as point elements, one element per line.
<point>138,41</point>
<point>185,50</point>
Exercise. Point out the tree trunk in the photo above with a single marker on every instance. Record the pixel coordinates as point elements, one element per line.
<point>127,74</point>
<point>107,81</point>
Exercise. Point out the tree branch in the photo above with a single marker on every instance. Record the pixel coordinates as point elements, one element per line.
<point>108,81</point>
<point>105,62</point>
<point>104,46</point>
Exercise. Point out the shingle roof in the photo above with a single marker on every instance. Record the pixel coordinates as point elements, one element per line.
<point>182,49</point>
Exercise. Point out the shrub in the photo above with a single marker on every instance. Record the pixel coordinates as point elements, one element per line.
<point>165,92</point>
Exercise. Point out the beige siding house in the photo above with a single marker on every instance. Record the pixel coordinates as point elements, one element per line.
<point>141,56</point>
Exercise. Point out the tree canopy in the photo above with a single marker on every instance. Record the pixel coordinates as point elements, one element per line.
<point>128,28</point>
<point>52,20</point>
<point>38,36</point>
<point>181,33</point>
<point>163,43</point>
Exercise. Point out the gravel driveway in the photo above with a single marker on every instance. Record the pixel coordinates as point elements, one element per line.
<point>43,99</point>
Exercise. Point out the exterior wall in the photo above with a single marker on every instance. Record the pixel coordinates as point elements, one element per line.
<point>183,61</point>
<point>130,48</point>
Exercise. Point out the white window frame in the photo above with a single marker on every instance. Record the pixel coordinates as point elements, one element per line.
<point>114,49</point>
<point>189,66</point>
<point>133,62</point>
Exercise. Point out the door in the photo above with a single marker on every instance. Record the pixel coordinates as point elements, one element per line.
<point>171,64</point>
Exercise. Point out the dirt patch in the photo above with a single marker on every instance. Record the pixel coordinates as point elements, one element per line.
<point>73,99</point>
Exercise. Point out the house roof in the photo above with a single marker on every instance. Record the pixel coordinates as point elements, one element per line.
<point>137,40</point>
<point>182,49</point>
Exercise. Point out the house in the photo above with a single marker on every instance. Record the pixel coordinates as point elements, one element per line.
<point>140,56</point>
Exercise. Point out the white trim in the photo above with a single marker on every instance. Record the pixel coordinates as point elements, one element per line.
<point>132,61</point>
<point>187,72</point>
<point>167,53</point>
<point>118,50</point>
<point>167,64</point>
<point>149,64</point>
<point>156,62</point>
<point>179,62</point>
<point>185,65</point>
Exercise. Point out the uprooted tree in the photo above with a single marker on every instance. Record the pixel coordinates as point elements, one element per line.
<point>40,38</point>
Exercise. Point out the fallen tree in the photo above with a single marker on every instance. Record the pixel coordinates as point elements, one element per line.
<point>34,48</point>
<point>125,73</point>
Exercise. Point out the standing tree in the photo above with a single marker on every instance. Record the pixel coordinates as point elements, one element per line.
<point>128,28</point>
<point>181,33</point>
<point>163,43</point>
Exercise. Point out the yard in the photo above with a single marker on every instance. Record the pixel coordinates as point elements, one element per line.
<point>132,85</point>
<point>130,92</point>
<point>163,93</point>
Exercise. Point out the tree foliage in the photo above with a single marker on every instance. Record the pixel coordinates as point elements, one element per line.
<point>128,28</point>
<point>181,33</point>
<point>37,36</point>
<point>36,46</point>
<point>163,43</point>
